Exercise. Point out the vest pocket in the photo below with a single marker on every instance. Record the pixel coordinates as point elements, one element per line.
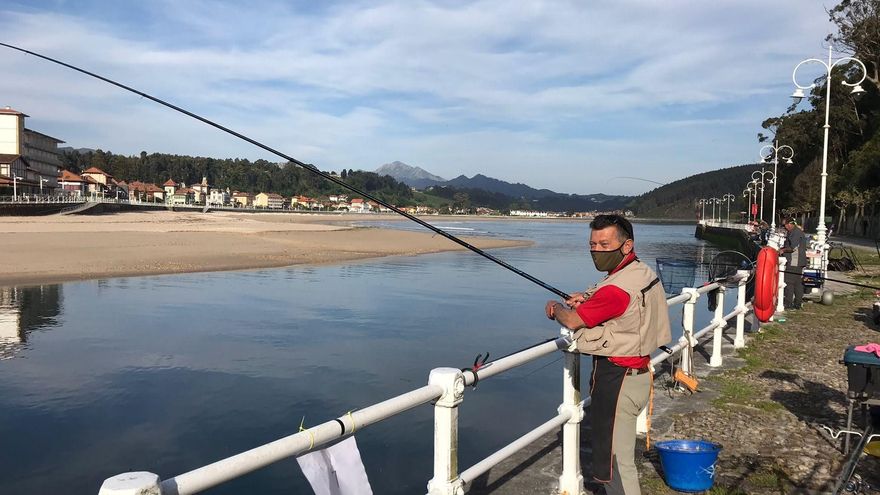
<point>594,340</point>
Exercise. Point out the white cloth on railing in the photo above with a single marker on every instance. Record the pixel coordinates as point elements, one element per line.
<point>336,470</point>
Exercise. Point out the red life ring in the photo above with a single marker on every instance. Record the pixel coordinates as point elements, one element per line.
<point>766,284</point>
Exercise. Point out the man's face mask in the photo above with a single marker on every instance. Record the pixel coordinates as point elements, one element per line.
<point>606,261</point>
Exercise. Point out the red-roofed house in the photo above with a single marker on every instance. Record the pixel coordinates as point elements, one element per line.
<point>202,190</point>
<point>149,192</point>
<point>183,196</point>
<point>242,199</point>
<point>101,183</point>
<point>358,205</point>
<point>72,184</point>
<point>170,186</point>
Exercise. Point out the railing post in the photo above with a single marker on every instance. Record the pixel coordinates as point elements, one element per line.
<point>720,324</point>
<point>572,479</point>
<point>740,340</point>
<point>137,483</point>
<point>780,300</point>
<point>687,323</point>
<point>445,480</point>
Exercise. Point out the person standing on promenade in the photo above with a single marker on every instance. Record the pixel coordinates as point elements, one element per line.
<point>795,252</point>
<point>619,321</point>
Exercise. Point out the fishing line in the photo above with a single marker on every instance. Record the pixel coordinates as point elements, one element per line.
<point>641,179</point>
<point>306,166</point>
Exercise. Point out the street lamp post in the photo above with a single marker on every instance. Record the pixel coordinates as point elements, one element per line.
<point>715,201</point>
<point>758,176</point>
<point>702,202</point>
<point>747,192</point>
<point>798,94</point>
<point>754,185</point>
<point>727,198</point>
<point>15,180</point>
<point>775,148</point>
<point>42,181</point>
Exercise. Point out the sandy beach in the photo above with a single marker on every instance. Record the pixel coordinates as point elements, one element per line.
<point>55,248</point>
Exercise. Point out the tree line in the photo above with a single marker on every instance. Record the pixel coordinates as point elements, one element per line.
<point>236,174</point>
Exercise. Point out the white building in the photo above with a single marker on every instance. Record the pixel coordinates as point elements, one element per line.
<point>219,197</point>
<point>28,159</point>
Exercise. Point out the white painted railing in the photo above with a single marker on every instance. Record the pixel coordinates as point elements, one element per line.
<point>446,387</point>
<point>40,199</point>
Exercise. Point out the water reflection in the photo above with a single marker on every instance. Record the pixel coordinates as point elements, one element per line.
<point>190,368</point>
<point>23,310</point>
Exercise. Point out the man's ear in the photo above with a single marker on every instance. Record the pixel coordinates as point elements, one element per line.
<point>627,247</point>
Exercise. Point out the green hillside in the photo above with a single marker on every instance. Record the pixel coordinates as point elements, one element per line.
<point>679,199</point>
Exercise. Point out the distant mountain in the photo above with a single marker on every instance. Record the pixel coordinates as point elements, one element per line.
<point>412,176</point>
<point>501,194</point>
<point>517,190</point>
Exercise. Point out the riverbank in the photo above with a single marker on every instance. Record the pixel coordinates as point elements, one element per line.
<point>768,409</point>
<point>52,249</point>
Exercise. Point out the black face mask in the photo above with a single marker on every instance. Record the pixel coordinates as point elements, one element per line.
<point>606,261</point>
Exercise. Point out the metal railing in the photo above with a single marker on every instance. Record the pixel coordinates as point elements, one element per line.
<point>41,199</point>
<point>446,388</point>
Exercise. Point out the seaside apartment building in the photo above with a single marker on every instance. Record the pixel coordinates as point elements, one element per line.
<point>269,201</point>
<point>28,159</point>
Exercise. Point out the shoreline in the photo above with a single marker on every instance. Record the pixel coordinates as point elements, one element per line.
<point>56,249</point>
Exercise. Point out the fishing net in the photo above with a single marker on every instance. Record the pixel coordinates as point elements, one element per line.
<point>676,274</point>
<point>724,265</point>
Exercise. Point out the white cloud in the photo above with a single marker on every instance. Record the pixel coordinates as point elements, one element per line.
<point>363,83</point>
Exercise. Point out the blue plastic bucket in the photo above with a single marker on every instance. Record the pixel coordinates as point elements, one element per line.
<point>688,465</point>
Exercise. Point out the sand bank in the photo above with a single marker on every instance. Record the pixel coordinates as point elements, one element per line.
<point>51,249</point>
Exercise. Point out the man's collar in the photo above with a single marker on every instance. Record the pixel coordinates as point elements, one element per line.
<point>626,261</point>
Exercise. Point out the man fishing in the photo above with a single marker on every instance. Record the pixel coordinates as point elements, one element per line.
<point>619,321</point>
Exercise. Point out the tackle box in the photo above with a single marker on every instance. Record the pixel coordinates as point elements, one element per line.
<point>862,373</point>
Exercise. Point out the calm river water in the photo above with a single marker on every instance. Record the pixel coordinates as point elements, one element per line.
<point>167,373</point>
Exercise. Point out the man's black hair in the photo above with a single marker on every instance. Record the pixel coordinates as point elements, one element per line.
<point>624,227</point>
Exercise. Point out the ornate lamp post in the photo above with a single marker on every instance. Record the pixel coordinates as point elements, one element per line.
<point>727,198</point>
<point>713,202</point>
<point>798,94</point>
<point>758,176</point>
<point>774,150</point>
<point>702,202</point>
<point>747,193</point>
<point>753,187</point>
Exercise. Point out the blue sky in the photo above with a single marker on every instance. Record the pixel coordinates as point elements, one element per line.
<point>568,96</point>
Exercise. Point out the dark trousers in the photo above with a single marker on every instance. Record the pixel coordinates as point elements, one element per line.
<point>793,296</point>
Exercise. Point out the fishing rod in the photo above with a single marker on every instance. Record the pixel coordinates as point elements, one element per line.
<point>819,277</point>
<point>307,166</point>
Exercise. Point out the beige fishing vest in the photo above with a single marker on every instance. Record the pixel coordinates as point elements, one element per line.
<point>642,328</point>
